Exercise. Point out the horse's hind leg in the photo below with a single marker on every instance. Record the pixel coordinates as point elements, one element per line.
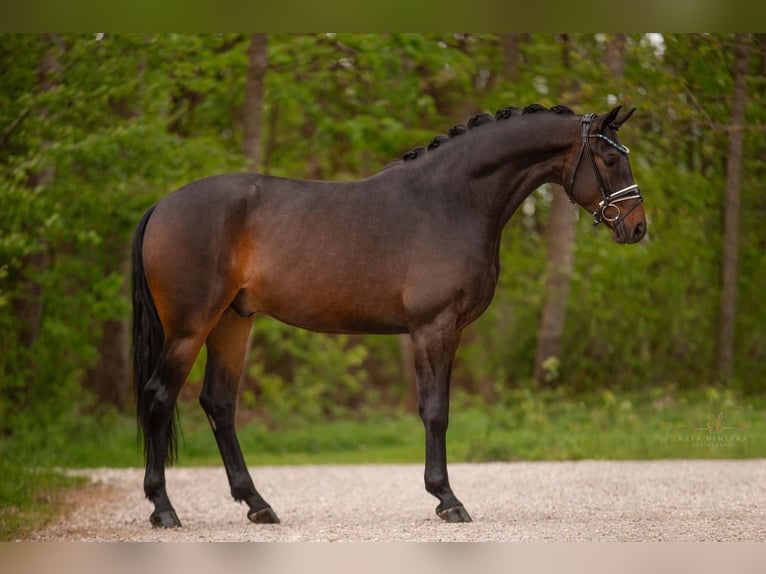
<point>226,347</point>
<point>159,395</point>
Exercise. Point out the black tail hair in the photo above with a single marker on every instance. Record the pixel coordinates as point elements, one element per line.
<point>148,341</point>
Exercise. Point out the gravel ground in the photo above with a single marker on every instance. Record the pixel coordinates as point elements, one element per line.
<point>541,501</point>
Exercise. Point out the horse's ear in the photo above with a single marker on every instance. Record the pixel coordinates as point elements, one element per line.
<point>621,120</point>
<point>609,118</point>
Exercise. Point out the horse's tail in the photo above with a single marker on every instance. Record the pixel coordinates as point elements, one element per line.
<point>148,341</point>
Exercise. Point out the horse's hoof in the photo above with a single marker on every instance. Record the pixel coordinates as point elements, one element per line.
<point>165,519</point>
<point>454,514</point>
<point>263,516</point>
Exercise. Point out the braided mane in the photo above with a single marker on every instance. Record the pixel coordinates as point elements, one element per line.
<point>479,120</point>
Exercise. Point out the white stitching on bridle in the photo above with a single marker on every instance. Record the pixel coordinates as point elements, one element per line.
<point>625,194</point>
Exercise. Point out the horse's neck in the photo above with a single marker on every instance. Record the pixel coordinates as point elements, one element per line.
<point>511,161</point>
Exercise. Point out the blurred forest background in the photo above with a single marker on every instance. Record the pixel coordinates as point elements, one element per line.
<point>95,128</point>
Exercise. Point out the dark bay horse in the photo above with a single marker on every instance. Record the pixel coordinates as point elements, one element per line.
<point>412,249</point>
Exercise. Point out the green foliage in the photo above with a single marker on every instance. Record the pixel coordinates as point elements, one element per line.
<point>320,376</point>
<point>100,141</point>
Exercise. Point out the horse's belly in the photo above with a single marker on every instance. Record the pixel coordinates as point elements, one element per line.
<point>327,323</point>
<point>332,307</point>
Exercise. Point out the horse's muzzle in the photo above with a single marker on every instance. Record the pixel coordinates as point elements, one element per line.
<point>624,234</point>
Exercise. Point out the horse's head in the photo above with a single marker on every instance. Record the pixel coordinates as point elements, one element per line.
<point>601,181</point>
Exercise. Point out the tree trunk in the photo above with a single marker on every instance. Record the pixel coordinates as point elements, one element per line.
<point>255,83</point>
<point>615,55</point>
<point>729,269</point>
<point>110,379</point>
<point>257,64</point>
<point>560,235</point>
<point>512,57</point>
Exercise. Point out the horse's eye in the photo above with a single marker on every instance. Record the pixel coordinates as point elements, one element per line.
<point>609,161</point>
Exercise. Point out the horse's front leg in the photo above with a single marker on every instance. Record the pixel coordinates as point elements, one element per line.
<point>434,347</point>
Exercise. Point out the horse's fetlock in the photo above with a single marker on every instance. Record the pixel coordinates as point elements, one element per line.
<point>154,487</point>
<point>242,488</point>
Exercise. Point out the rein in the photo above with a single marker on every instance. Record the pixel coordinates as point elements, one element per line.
<point>610,200</point>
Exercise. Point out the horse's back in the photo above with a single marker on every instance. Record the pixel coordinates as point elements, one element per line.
<point>320,255</point>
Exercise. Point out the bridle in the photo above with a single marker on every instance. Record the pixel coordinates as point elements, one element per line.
<point>610,200</point>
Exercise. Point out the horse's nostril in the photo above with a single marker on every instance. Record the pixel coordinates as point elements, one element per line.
<point>639,230</point>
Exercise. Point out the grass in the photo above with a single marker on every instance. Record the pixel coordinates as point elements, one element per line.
<point>520,424</point>
<point>29,498</point>
<point>552,425</point>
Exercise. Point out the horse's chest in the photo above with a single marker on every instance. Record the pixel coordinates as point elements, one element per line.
<point>478,295</point>
<point>463,286</point>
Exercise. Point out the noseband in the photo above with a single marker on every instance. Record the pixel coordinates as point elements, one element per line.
<point>610,200</point>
